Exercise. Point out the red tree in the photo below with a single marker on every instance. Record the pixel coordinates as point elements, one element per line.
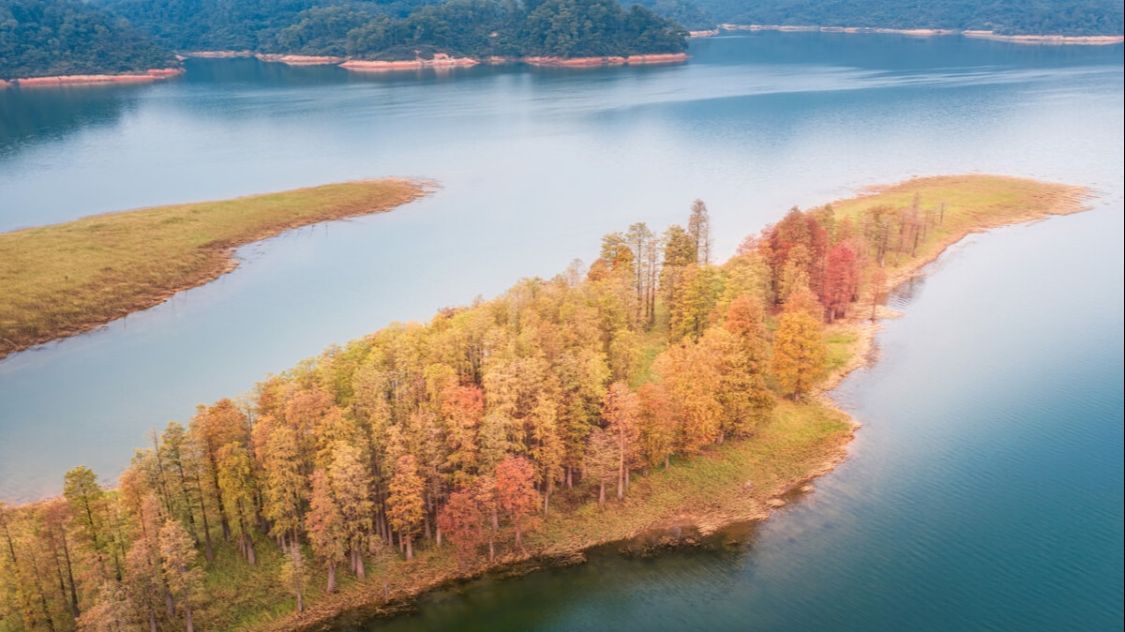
<point>840,281</point>
<point>516,494</point>
<point>462,520</point>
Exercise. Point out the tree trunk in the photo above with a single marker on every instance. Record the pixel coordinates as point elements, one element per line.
<point>331,587</point>
<point>359,567</point>
<point>601,494</point>
<point>188,623</point>
<point>218,493</point>
<point>208,549</point>
<point>409,548</point>
<point>621,472</point>
<point>70,575</point>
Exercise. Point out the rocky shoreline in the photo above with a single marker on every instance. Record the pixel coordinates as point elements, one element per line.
<point>147,76</point>
<point>445,60</point>
<point>1086,40</point>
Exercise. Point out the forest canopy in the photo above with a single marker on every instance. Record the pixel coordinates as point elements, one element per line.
<point>52,37</point>
<point>396,30</point>
<point>68,37</point>
<point>1064,17</point>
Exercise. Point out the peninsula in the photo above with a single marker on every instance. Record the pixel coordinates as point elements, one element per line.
<point>64,279</point>
<point>656,390</point>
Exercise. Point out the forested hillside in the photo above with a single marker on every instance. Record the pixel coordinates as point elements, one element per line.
<point>399,29</point>
<point>60,37</point>
<point>1067,17</point>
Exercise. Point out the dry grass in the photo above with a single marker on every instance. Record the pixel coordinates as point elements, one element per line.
<point>67,278</point>
<point>972,203</point>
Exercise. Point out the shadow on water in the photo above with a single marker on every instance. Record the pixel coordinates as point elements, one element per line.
<point>615,569</point>
<point>34,116</point>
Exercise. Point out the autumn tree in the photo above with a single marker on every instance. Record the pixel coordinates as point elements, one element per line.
<point>325,525</point>
<point>621,412</point>
<point>601,461</point>
<point>657,424</point>
<point>463,522</point>
<point>88,505</point>
<point>515,493</point>
<point>840,281</point>
<point>294,575</point>
<point>693,380</point>
<point>212,428</point>
<point>184,579</point>
<point>286,488</point>
<point>237,485</point>
<point>699,230</point>
<point>405,504</point>
<point>350,480</point>
<point>799,352</point>
<point>462,409</point>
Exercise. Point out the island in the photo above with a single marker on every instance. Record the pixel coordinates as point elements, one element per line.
<point>357,36</point>
<point>655,395</point>
<point>64,279</point>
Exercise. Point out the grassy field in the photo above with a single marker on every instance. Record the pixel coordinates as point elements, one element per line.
<point>62,279</point>
<point>971,203</point>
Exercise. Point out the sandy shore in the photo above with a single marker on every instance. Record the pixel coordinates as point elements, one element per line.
<point>439,60</point>
<point>597,62</point>
<point>1081,40</point>
<point>300,60</point>
<point>1086,40</point>
<point>216,54</point>
<point>148,76</point>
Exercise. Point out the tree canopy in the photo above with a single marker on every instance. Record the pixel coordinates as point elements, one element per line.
<point>1066,17</point>
<point>68,37</point>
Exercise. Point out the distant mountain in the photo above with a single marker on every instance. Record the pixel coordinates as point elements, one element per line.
<point>1065,17</point>
<point>62,37</point>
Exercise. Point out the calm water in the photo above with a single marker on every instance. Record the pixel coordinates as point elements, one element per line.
<point>986,486</point>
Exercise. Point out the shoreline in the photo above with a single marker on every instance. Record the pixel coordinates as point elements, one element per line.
<point>218,256</point>
<point>361,602</point>
<point>147,76</point>
<point>442,61</point>
<point>1029,39</point>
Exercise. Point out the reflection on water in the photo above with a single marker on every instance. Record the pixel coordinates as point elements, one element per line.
<point>40,115</point>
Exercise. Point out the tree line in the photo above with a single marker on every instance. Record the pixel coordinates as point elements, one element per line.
<point>460,435</point>
<point>397,30</point>
<point>1066,17</point>
<point>68,37</point>
<point>45,37</point>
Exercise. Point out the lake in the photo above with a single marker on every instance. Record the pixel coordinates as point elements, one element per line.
<point>985,488</point>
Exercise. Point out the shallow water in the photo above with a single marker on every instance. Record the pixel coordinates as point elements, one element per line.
<point>1008,415</point>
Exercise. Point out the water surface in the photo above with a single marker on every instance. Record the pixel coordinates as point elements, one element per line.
<point>534,166</point>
